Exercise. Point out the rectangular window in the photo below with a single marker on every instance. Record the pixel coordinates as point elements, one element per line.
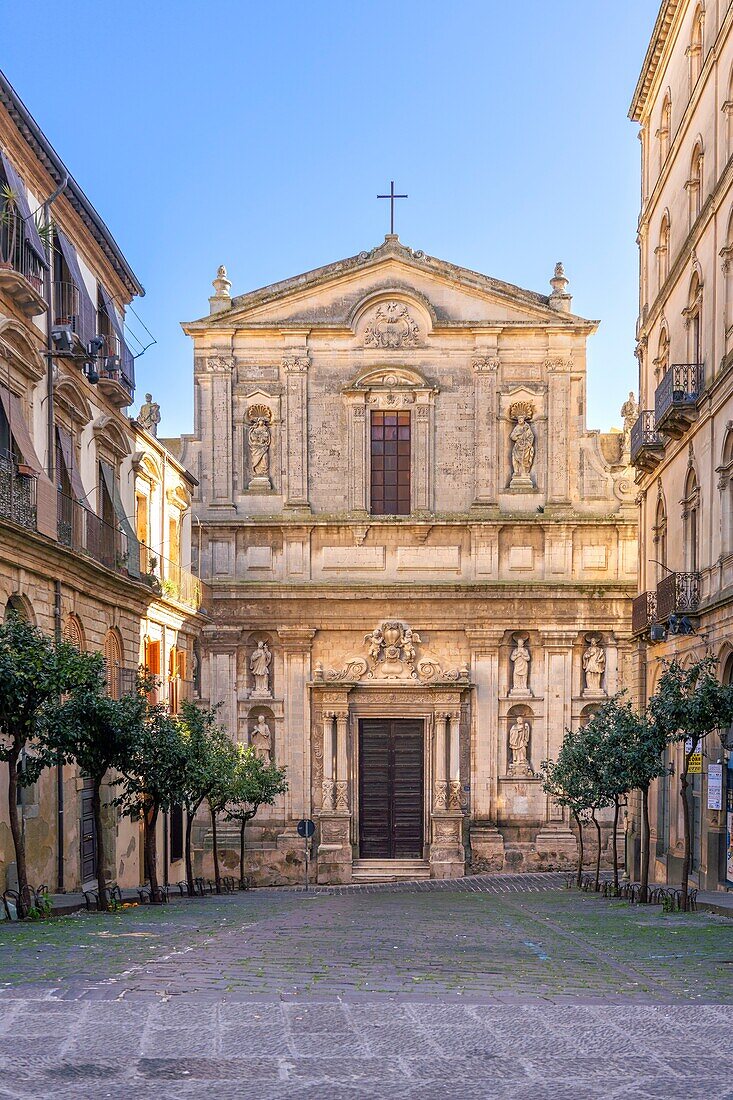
<point>176,833</point>
<point>390,463</point>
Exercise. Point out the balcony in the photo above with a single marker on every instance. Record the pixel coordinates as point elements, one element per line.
<point>112,381</point>
<point>17,493</point>
<point>678,594</point>
<point>676,397</point>
<point>83,531</point>
<point>67,307</point>
<point>643,612</point>
<point>21,271</point>
<point>171,581</point>
<point>647,445</point>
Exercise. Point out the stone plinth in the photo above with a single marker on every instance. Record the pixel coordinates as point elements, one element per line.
<point>487,844</point>
<point>447,856</point>
<point>334,855</point>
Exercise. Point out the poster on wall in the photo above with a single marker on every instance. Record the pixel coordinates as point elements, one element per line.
<point>729,831</point>
<point>715,786</point>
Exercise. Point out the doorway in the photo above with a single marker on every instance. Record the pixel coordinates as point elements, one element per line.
<point>391,772</point>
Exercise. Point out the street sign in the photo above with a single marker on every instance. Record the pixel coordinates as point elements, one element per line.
<point>306,827</point>
<point>694,764</point>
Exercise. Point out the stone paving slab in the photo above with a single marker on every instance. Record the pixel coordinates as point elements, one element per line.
<point>493,992</point>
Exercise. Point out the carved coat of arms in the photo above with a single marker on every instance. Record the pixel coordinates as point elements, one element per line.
<point>392,328</point>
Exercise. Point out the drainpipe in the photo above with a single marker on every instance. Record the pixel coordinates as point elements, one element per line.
<point>48,295</point>
<point>59,761</point>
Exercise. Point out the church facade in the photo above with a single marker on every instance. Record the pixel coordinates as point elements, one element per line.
<point>421,561</point>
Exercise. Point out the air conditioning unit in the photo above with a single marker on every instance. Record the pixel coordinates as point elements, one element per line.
<point>112,363</point>
<point>657,633</point>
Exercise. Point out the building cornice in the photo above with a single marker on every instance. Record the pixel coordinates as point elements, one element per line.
<point>658,41</point>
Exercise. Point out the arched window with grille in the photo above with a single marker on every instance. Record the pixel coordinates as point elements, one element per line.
<point>662,361</point>
<point>663,250</point>
<point>693,320</point>
<point>19,606</point>
<point>695,49</point>
<point>660,538</point>
<point>694,184</point>
<point>665,129</point>
<point>73,632</point>
<point>725,484</point>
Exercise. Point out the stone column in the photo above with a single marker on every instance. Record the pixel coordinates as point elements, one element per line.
<point>486,840</point>
<point>296,430</point>
<point>329,801</point>
<point>440,785</point>
<point>358,456</point>
<point>422,460</point>
<point>454,763</point>
<point>215,386</point>
<point>485,369</point>
<point>342,761</point>
<point>558,423</point>
<point>334,838</point>
<point>555,842</point>
<point>296,643</point>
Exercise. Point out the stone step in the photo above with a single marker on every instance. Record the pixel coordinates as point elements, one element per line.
<point>389,870</point>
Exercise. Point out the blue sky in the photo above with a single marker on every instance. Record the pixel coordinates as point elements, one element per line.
<point>258,135</point>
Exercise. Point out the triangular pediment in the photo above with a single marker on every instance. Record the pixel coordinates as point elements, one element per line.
<point>375,287</point>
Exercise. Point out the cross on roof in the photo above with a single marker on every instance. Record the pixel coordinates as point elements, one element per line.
<point>391,196</point>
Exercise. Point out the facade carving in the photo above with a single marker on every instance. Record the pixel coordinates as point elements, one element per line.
<point>435,508</point>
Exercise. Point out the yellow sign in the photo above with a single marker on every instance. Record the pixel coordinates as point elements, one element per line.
<point>694,766</point>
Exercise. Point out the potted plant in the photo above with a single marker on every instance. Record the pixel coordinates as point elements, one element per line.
<point>8,226</point>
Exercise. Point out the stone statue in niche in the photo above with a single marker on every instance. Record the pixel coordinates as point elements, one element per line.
<point>594,665</point>
<point>630,414</point>
<point>260,739</point>
<point>259,666</point>
<point>523,448</point>
<point>259,438</point>
<point>520,658</point>
<point>149,415</point>
<point>519,734</point>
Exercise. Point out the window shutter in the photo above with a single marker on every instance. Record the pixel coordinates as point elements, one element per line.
<point>128,359</point>
<point>87,312</point>
<point>133,546</point>
<point>46,492</point>
<point>67,451</point>
<point>15,183</point>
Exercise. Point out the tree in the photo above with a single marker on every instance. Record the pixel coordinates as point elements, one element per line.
<point>646,764</point>
<point>562,780</point>
<point>202,740</point>
<point>153,780</point>
<point>98,734</point>
<point>256,783</point>
<point>34,672</point>
<point>689,704</point>
<point>222,764</point>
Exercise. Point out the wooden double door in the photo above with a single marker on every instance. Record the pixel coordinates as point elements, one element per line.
<point>391,775</point>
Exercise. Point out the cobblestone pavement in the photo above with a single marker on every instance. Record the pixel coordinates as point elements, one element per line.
<point>510,987</point>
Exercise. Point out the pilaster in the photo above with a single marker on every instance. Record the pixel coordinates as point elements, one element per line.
<point>295,367</point>
<point>558,367</point>
<point>296,643</point>
<point>485,367</point>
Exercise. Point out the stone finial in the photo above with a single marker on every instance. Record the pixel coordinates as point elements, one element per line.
<point>560,299</point>
<point>222,298</point>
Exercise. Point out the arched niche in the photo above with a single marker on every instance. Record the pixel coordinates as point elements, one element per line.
<point>20,606</point>
<point>261,726</point>
<point>520,741</point>
<point>245,670</point>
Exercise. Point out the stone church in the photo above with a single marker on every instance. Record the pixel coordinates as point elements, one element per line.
<point>421,558</point>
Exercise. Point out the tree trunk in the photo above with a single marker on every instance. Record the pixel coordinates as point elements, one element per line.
<point>242,827</point>
<point>597,824</point>
<point>217,873</point>
<point>616,811</point>
<point>17,831</point>
<point>579,877</point>
<point>103,903</point>
<point>151,855</point>
<point>686,858</point>
<point>645,846</point>
<point>189,860</point>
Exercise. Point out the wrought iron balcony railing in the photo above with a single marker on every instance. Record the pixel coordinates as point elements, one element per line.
<point>66,305</point>
<point>16,255</point>
<point>678,594</point>
<point>17,493</point>
<point>646,442</point>
<point>170,580</point>
<point>643,612</point>
<point>676,396</point>
<point>85,532</point>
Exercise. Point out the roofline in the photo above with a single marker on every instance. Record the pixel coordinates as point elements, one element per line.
<point>56,168</point>
<point>665,17</point>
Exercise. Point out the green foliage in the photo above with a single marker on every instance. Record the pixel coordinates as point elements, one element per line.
<point>43,907</point>
<point>255,783</point>
<point>153,779</point>
<point>690,702</point>
<point>205,747</point>
<point>34,672</point>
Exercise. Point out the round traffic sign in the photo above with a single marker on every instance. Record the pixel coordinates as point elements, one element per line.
<point>306,827</point>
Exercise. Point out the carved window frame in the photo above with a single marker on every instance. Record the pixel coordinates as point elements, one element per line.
<point>391,389</point>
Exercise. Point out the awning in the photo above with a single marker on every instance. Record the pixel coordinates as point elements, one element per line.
<point>67,450</point>
<point>128,359</point>
<point>16,185</point>
<point>45,490</point>
<point>87,309</point>
<point>133,546</point>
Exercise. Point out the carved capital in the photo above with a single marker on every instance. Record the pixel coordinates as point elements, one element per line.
<point>440,795</point>
<point>296,364</point>
<point>556,364</point>
<point>328,801</point>
<point>341,796</point>
<point>219,364</point>
<point>454,794</point>
<point>484,364</point>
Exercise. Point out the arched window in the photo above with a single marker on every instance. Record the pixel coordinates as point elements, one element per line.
<point>726,255</point>
<point>694,50</point>
<point>691,521</point>
<point>112,662</point>
<point>694,183</point>
<point>660,538</point>
<point>725,484</point>
<point>663,250</point>
<point>662,360</point>
<point>20,607</point>
<point>665,129</point>
<point>728,109</point>
<point>693,320</point>
<point>726,736</point>
<point>73,632</point>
